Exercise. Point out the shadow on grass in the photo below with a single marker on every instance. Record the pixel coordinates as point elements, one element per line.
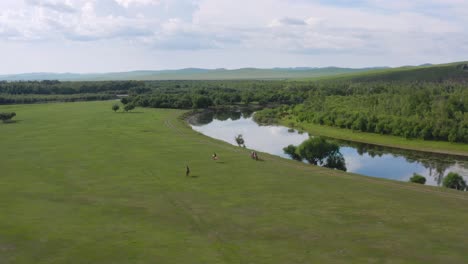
<point>11,122</point>
<point>136,112</point>
<point>259,159</point>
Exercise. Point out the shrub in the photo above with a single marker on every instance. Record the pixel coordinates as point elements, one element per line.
<point>291,151</point>
<point>240,141</point>
<point>115,107</point>
<point>418,179</point>
<point>124,100</point>
<point>454,181</point>
<point>129,107</point>
<point>5,117</point>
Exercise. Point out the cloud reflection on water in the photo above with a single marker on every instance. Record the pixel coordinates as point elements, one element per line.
<point>362,159</point>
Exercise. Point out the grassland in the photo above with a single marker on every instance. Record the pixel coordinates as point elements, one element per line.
<point>442,147</point>
<point>82,184</point>
<point>456,71</point>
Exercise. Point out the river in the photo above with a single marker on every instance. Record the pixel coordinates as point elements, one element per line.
<point>365,159</point>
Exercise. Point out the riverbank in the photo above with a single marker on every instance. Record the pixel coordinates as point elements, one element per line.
<point>440,147</point>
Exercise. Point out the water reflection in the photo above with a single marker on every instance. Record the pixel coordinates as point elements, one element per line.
<point>360,158</point>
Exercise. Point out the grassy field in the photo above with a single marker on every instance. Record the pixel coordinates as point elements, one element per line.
<point>382,140</point>
<point>456,71</point>
<point>82,184</point>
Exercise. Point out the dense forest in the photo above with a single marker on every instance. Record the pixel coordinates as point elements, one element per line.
<point>431,111</point>
<point>46,91</point>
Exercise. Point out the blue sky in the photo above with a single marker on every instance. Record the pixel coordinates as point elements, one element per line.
<point>122,35</point>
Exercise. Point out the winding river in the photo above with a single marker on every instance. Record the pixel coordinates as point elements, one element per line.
<point>365,159</point>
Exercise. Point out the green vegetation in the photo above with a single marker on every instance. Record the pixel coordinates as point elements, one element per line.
<point>427,105</point>
<point>427,111</point>
<point>416,178</point>
<point>240,140</point>
<point>48,91</point>
<point>193,74</point>
<point>318,151</point>
<point>115,107</point>
<point>129,107</point>
<point>456,71</point>
<point>454,181</point>
<point>291,150</point>
<point>6,117</point>
<point>378,139</point>
<point>80,184</point>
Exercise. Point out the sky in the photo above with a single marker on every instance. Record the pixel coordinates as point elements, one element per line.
<point>87,36</point>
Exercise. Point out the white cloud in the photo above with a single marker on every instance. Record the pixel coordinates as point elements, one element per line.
<point>127,3</point>
<point>56,5</point>
<point>386,31</point>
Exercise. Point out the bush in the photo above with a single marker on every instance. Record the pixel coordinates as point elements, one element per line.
<point>418,179</point>
<point>454,181</point>
<point>240,141</point>
<point>124,100</point>
<point>115,107</point>
<point>291,150</point>
<point>5,117</point>
<point>129,107</point>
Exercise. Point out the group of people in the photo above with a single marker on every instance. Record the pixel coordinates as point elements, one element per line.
<point>253,155</point>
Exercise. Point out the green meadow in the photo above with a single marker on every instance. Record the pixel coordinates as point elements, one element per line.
<point>82,184</point>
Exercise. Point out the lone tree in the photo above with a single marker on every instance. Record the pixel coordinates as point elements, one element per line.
<point>454,181</point>
<point>6,117</point>
<point>418,179</point>
<point>115,107</point>
<point>240,140</point>
<point>318,151</point>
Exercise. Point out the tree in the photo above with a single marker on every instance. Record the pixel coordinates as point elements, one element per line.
<point>240,140</point>
<point>319,151</point>
<point>336,161</point>
<point>115,107</point>
<point>315,150</point>
<point>291,150</point>
<point>200,101</point>
<point>6,117</point>
<point>129,107</point>
<point>454,181</point>
<point>418,179</point>
<point>124,100</point>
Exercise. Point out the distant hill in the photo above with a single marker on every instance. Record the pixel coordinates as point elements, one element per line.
<point>191,74</point>
<point>457,71</point>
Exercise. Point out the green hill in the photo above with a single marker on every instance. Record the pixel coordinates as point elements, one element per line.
<point>457,71</point>
<point>189,74</point>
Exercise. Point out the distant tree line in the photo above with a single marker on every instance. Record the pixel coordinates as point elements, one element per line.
<point>26,92</point>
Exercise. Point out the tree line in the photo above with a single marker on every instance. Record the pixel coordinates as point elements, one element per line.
<point>429,111</point>
<point>26,92</point>
<point>435,110</point>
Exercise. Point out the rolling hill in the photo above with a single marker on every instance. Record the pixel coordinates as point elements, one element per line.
<point>190,74</point>
<point>457,71</point>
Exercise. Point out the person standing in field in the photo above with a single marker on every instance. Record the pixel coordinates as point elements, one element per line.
<point>187,171</point>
